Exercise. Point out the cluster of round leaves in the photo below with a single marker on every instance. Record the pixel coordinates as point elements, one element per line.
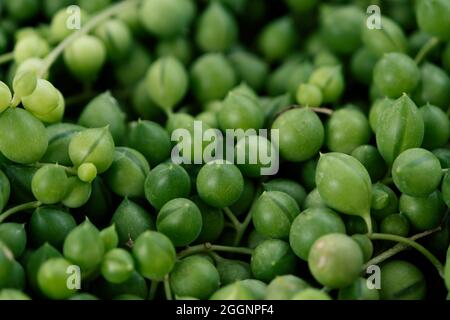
<point>361,171</point>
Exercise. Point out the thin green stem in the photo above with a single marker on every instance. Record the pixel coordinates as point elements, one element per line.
<point>411,243</point>
<point>153,288</point>
<point>244,225</point>
<point>232,217</point>
<point>167,288</point>
<point>396,249</point>
<point>326,111</point>
<point>19,208</point>
<point>241,250</point>
<point>208,247</point>
<point>368,221</point>
<point>169,113</point>
<point>242,228</point>
<point>445,170</point>
<point>89,26</point>
<point>6,57</point>
<point>216,257</point>
<point>421,55</point>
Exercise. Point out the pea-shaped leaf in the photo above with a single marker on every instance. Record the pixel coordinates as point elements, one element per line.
<point>291,187</point>
<point>127,173</point>
<point>117,38</point>
<point>85,57</point>
<point>36,260</point>
<point>331,82</point>
<point>272,258</point>
<point>99,206</point>
<point>434,87</point>
<point>395,74</point>
<point>344,184</point>
<point>335,260</point>
<point>117,265</point>
<point>257,287</point>
<point>301,134</point>
<point>217,29</point>
<point>24,83</point>
<point>21,188</point>
<point>233,291</point>
<point>309,226</point>
<point>213,221</point>
<point>376,110</point>
<point>104,110</point>
<point>231,271</point>
<point>13,235</point>
<point>369,156</point>
<point>285,287</point>
<point>166,18</point>
<point>131,220</point>
<point>167,82</point>
<point>277,39</point>
<point>150,139</point>
<point>203,280</point>
<point>5,96</point>
<point>273,214</point>
<point>58,30</point>
<point>251,69</point>
<point>417,172</point>
<point>78,193</point>
<point>59,136</point>
<point>343,37</point>
<point>50,225</point>
<point>43,100</point>
<point>7,263</point>
<point>110,237</point>
<point>446,189</point>
<point>16,278</point>
<point>212,76</point>
<point>432,17</point>
<point>437,127</point>
<point>57,114</point>
<point>155,255</point>
<point>220,184</point>
<point>241,110</point>
<point>22,137</point>
<point>389,38</point>
<point>180,220</point>
<point>384,201</point>
<point>5,190</point>
<point>92,145</point>
<point>49,184</point>
<point>402,280</point>
<point>400,127</point>
<point>52,279</point>
<point>423,213</point>
<point>84,246</point>
<point>166,182</point>
<point>346,129</point>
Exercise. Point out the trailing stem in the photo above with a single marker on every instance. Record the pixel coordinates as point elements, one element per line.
<point>208,247</point>
<point>89,26</point>
<point>403,244</point>
<point>19,208</point>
